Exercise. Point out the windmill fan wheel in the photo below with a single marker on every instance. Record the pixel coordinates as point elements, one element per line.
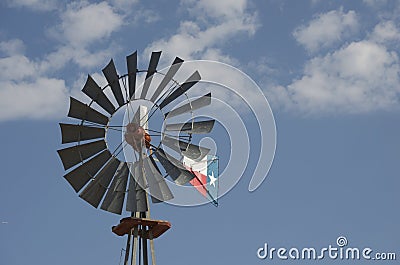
<point>97,172</point>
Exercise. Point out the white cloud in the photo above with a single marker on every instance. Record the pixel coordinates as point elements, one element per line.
<point>82,23</point>
<point>326,29</point>
<point>26,93</point>
<point>221,10</point>
<point>134,13</point>
<point>34,82</point>
<point>213,24</point>
<point>82,27</point>
<point>82,57</point>
<point>42,98</point>
<point>191,42</point>
<point>37,94</point>
<point>17,67</point>
<point>37,5</point>
<point>385,31</point>
<point>12,47</point>
<point>360,77</point>
<point>215,54</point>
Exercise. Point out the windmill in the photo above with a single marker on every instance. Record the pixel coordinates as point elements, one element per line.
<point>103,177</point>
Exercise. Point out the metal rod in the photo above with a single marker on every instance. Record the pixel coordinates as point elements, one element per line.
<point>147,215</point>
<point>153,254</point>
<point>152,251</point>
<point>145,254</point>
<point>139,214</point>
<point>144,243</point>
<point>128,248</point>
<point>140,247</point>
<point>135,242</point>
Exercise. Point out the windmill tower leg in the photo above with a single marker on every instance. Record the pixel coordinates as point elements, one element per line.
<point>128,248</point>
<point>134,246</point>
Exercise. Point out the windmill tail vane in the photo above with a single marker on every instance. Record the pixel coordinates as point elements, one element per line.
<point>155,140</point>
<point>206,179</point>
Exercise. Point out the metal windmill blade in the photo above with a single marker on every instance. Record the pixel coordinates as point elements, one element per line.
<point>97,171</point>
<point>194,127</point>
<point>94,192</point>
<point>167,78</point>
<point>113,202</point>
<point>155,57</point>
<point>131,65</point>
<point>191,106</point>
<point>189,150</point>
<point>188,84</point>
<point>111,75</point>
<point>93,90</point>
<point>174,168</point>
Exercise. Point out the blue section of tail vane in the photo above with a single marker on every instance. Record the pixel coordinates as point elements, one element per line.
<point>212,178</point>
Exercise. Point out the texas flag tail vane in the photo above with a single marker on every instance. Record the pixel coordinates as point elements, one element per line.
<point>206,180</point>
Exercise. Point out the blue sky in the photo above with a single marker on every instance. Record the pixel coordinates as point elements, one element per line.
<point>329,69</point>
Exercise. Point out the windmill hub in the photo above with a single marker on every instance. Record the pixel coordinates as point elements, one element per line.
<point>136,135</point>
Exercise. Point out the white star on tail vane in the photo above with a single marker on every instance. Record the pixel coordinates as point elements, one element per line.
<point>212,179</point>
